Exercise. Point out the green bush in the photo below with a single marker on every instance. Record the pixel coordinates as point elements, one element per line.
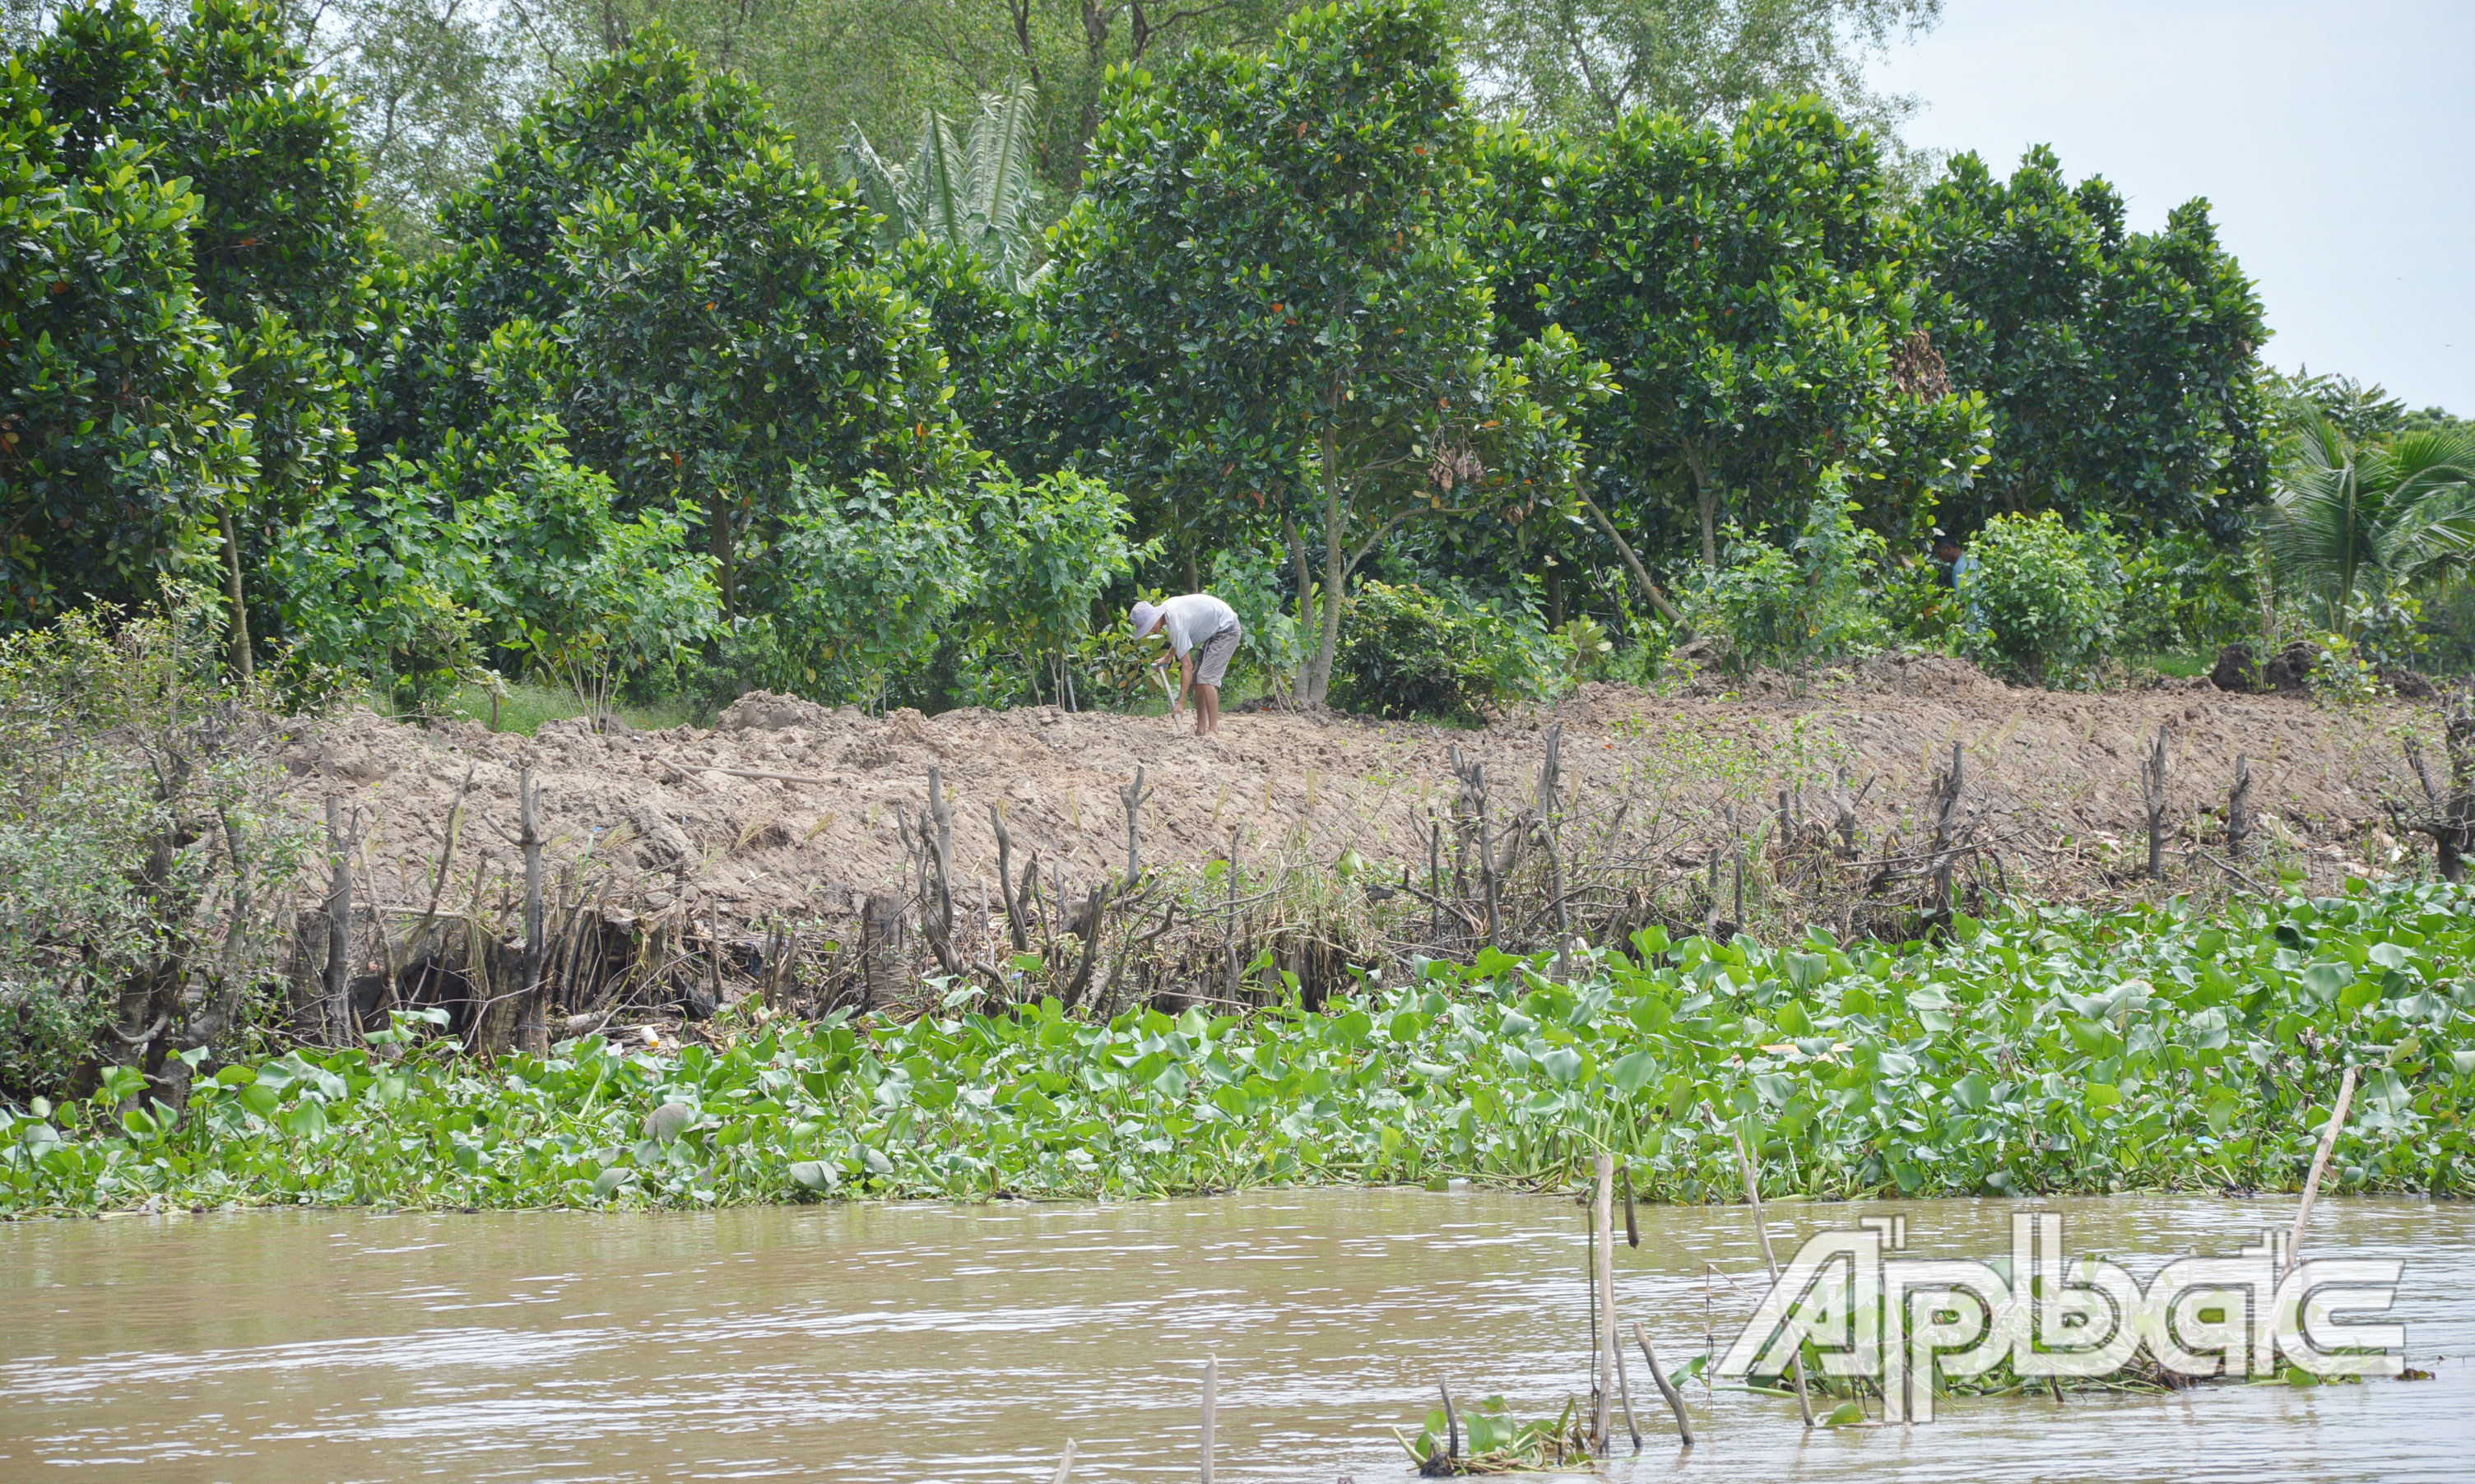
<point>1407,653</point>
<point>2043,598</point>
<point>1793,607</point>
<point>144,860</point>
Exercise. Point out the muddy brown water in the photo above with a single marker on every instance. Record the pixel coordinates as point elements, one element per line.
<point>923,1343</point>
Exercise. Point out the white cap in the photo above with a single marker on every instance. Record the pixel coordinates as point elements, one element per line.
<point>1146,615</point>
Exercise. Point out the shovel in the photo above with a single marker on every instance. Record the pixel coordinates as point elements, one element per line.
<point>1170,691</point>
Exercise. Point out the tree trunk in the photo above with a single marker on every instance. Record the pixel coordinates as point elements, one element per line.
<point>1706,498</point>
<point>243,662</point>
<point>1335,572</point>
<point>339,1028</point>
<point>1305,597</point>
<point>1623,549</point>
<point>724,568</point>
<point>532,1023</point>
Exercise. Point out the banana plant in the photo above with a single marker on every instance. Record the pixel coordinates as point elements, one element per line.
<point>973,187</point>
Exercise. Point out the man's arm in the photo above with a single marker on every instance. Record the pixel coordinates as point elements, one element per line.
<point>1186,677</point>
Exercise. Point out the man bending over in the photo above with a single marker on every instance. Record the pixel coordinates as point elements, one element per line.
<point>1203,633</point>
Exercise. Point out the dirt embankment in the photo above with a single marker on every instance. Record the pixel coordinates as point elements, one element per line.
<point>668,819</point>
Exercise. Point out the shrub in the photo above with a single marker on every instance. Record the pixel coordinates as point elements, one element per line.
<point>143,858</point>
<point>1809,602</point>
<point>856,590</point>
<point>2043,598</point>
<point>1407,653</point>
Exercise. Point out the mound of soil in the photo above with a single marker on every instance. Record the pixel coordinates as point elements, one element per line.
<point>790,808</point>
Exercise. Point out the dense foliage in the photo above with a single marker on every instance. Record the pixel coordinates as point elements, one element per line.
<point>2041,1051</point>
<point>141,854</point>
<point>668,409</point>
<point>2120,366</point>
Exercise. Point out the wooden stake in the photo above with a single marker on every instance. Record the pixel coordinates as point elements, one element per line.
<point>339,1028</point>
<point>1603,1341</point>
<point>2319,1163</point>
<point>1452,1420</point>
<point>2238,811</point>
<point>533,1018</point>
<point>1754,1197</point>
<point>1623,1393</point>
<point>1064,1465</point>
<point>1666,1387</point>
<point>1210,1398</point>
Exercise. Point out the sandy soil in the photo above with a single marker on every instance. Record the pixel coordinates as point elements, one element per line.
<point>665,824</point>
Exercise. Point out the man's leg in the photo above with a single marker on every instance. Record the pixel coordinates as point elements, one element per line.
<point>1207,706</point>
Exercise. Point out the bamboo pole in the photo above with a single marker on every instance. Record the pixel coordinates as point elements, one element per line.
<point>1603,1339</point>
<point>2320,1164</point>
<point>1064,1465</point>
<point>1211,1399</point>
<point>1754,1197</point>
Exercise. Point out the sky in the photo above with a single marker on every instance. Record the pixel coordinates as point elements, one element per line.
<point>2334,142</point>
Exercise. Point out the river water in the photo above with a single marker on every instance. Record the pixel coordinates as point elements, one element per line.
<point>923,1343</point>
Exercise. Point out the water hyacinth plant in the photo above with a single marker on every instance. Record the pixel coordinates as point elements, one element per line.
<point>2046,1049</point>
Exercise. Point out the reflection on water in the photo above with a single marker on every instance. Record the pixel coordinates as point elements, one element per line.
<point>923,1343</point>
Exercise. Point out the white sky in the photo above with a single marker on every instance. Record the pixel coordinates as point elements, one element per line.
<point>2334,142</point>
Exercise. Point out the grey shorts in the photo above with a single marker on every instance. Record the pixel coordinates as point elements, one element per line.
<point>1212,656</point>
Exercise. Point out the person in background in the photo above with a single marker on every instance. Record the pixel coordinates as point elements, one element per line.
<point>1203,633</point>
<point>1956,569</point>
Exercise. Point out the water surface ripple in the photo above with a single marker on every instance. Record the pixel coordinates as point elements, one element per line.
<point>931,1342</point>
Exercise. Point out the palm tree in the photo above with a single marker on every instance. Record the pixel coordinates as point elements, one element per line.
<point>974,189</point>
<point>2355,519</point>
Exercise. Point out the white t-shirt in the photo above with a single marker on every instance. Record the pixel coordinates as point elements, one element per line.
<point>1195,617</point>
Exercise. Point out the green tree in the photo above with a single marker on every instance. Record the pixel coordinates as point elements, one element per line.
<point>1270,275</point>
<point>2121,368</point>
<point>702,312</point>
<point>2354,521</point>
<point>117,440</point>
<point>280,245</point>
<point>1751,292</point>
<point>2044,597</point>
<point>1584,64</point>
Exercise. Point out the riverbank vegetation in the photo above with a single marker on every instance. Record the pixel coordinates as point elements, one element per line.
<point>2035,1051</point>
<point>645,385</point>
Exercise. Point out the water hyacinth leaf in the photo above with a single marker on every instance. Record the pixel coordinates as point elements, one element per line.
<point>235,1077</point>
<point>305,1120</point>
<point>668,1122</point>
<point>814,1175</point>
<point>2325,980</point>
<point>1631,1071</point>
<point>608,1183</point>
<point>259,1099</point>
<point>1973,1092</point>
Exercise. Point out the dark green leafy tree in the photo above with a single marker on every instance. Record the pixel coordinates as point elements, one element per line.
<point>116,439</point>
<point>1755,298</point>
<point>2120,367</point>
<point>280,245</point>
<point>702,312</point>
<point>1269,272</point>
